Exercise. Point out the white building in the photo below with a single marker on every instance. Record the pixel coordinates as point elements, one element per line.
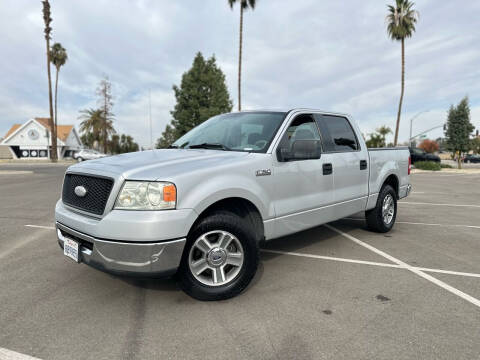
<point>33,139</point>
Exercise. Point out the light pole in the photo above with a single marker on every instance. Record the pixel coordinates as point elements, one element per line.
<point>150,117</point>
<point>411,122</point>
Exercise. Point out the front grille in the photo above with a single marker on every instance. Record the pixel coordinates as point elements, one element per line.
<point>94,201</point>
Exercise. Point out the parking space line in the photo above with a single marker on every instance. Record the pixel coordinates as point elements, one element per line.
<point>312,256</point>
<point>354,261</point>
<point>13,355</point>
<point>436,204</point>
<point>416,271</point>
<point>418,223</point>
<point>41,227</point>
<point>448,272</point>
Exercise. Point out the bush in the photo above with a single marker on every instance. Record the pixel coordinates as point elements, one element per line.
<point>427,165</point>
<point>446,166</point>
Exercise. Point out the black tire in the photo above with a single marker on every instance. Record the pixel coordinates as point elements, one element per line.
<point>79,159</point>
<point>243,231</point>
<point>374,217</point>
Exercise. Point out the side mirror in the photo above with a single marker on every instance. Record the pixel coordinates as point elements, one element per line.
<point>301,150</point>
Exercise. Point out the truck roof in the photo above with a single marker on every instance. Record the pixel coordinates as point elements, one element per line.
<point>287,110</point>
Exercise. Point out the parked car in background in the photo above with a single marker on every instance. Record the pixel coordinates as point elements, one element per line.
<point>201,208</point>
<point>472,158</point>
<point>87,154</point>
<point>417,154</point>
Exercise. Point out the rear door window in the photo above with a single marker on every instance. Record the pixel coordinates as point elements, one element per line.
<point>337,133</point>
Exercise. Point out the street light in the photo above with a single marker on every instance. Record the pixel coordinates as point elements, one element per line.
<point>411,122</point>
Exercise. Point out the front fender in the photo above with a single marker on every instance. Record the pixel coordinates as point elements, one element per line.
<point>209,191</point>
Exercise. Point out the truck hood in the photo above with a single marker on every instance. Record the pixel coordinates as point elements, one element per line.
<point>158,164</point>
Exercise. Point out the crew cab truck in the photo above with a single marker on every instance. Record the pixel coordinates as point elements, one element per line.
<point>201,208</point>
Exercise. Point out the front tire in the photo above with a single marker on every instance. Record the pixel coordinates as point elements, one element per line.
<point>79,159</point>
<point>382,217</point>
<point>220,257</point>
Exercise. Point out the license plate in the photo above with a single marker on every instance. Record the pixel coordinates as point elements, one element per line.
<point>70,249</point>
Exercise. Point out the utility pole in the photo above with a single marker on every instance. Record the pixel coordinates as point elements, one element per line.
<point>150,117</point>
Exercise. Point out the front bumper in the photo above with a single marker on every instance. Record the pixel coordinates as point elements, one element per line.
<point>125,258</point>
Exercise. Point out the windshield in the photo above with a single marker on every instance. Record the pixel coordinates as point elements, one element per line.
<point>248,131</point>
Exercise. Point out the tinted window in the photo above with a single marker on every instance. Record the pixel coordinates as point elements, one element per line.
<point>337,133</point>
<point>303,127</point>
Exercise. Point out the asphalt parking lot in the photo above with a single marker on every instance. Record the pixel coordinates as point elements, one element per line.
<point>332,292</point>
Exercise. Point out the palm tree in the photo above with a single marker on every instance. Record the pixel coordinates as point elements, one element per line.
<point>58,57</point>
<point>383,131</point>
<point>244,4</point>
<point>401,20</point>
<point>93,122</point>
<point>53,130</point>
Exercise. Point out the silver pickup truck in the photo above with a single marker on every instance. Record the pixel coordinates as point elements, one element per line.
<point>201,208</point>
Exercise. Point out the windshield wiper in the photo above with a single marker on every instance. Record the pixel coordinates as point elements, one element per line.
<point>209,146</point>
<point>173,147</point>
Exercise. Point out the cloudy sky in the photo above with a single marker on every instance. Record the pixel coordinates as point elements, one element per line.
<point>329,54</point>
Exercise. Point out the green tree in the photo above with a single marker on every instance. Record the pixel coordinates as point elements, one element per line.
<point>378,138</point>
<point>127,144</point>
<point>459,128</point>
<point>47,31</point>
<point>93,125</point>
<point>244,5</point>
<point>401,20</point>
<point>115,144</point>
<point>105,102</point>
<point>476,145</point>
<point>202,94</point>
<point>120,144</point>
<point>88,140</point>
<point>58,57</point>
<point>167,139</point>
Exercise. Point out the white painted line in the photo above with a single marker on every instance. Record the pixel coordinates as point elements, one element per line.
<point>22,242</point>
<point>15,172</point>
<point>416,271</point>
<point>330,258</point>
<point>354,261</point>
<point>41,227</point>
<point>6,354</point>
<point>418,223</point>
<point>435,204</point>
<point>448,272</point>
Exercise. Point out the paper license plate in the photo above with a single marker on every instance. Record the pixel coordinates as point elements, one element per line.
<point>70,249</point>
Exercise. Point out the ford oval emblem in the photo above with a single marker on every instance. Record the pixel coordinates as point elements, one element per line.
<point>80,191</point>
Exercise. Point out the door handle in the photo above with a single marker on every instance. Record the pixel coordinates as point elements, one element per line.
<point>363,164</point>
<point>327,169</point>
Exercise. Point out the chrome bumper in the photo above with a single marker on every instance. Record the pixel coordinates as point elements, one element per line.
<point>122,257</point>
<point>409,189</point>
<point>404,191</point>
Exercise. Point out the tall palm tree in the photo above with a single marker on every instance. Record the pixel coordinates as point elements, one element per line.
<point>53,130</point>
<point>58,57</point>
<point>401,20</point>
<point>93,122</point>
<point>244,4</point>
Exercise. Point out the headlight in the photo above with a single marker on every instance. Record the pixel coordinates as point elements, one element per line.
<point>147,195</point>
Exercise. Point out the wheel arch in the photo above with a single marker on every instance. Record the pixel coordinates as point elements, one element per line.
<point>241,207</point>
<point>393,181</point>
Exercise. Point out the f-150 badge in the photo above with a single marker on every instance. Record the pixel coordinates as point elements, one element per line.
<point>263,172</point>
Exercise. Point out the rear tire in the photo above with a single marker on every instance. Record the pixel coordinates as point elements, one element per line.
<point>382,217</point>
<point>220,258</point>
<point>79,159</point>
